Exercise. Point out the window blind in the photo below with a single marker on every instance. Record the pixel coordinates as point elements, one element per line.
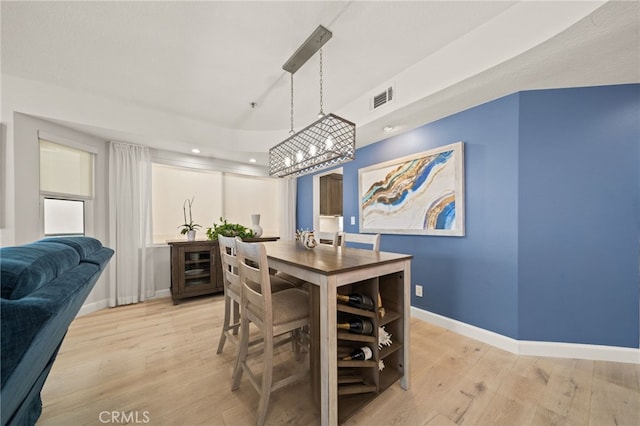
<point>65,170</point>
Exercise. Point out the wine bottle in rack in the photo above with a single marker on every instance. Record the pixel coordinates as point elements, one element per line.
<point>357,300</point>
<point>357,325</point>
<point>361,354</point>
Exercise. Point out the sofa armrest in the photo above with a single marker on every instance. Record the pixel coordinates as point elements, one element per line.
<point>32,329</point>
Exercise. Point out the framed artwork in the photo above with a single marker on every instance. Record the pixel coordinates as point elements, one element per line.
<point>419,194</point>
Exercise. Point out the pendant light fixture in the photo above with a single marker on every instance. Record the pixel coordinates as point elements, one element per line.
<point>329,141</point>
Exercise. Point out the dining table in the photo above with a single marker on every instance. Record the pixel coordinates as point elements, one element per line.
<point>326,269</point>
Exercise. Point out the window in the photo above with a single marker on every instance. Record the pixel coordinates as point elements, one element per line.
<point>259,195</point>
<point>216,194</point>
<point>66,188</point>
<point>63,217</point>
<point>171,186</point>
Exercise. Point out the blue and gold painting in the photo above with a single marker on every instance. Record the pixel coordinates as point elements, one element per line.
<point>421,194</point>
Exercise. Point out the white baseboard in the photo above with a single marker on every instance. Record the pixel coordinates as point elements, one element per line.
<point>162,293</point>
<point>102,304</point>
<point>92,307</point>
<point>580,351</point>
<point>526,347</point>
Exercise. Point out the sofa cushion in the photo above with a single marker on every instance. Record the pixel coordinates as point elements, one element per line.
<point>24,269</point>
<point>90,249</point>
<point>85,246</point>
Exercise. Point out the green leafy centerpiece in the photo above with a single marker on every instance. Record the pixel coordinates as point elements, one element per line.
<point>227,229</point>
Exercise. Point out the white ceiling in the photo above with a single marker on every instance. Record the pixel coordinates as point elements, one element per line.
<point>204,63</point>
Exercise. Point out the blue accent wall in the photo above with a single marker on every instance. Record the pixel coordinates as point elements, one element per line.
<point>550,252</point>
<point>579,215</point>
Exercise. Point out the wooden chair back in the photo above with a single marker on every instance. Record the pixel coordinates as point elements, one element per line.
<point>229,265</point>
<point>327,236</point>
<point>370,239</point>
<point>253,269</point>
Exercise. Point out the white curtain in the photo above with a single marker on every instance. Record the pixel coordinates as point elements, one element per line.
<point>131,278</point>
<point>288,188</point>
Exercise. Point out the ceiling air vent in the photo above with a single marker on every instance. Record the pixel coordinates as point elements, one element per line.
<point>382,98</point>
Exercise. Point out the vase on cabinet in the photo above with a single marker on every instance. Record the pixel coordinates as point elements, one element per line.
<point>191,235</point>
<point>255,225</point>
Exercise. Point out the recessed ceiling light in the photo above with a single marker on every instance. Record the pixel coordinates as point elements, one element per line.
<point>195,151</point>
<point>252,160</point>
<point>388,128</point>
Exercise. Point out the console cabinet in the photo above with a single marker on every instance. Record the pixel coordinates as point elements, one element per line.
<point>196,267</point>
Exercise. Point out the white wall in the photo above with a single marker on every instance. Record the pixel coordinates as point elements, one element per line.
<point>23,101</point>
<point>162,270</point>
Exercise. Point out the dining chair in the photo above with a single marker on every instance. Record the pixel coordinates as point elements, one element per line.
<point>328,238</point>
<point>372,240</point>
<point>232,296</point>
<point>274,314</point>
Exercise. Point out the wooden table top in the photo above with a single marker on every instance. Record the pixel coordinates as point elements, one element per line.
<point>329,260</point>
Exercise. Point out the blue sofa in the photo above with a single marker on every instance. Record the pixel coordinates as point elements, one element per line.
<point>43,286</point>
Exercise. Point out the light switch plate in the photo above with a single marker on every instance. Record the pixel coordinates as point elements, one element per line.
<point>353,220</point>
<point>418,290</point>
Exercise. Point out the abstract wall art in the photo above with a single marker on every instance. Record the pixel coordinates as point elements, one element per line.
<point>421,194</point>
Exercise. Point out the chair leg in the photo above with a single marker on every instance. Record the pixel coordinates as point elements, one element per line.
<point>267,379</point>
<point>242,353</point>
<point>236,315</point>
<point>225,325</point>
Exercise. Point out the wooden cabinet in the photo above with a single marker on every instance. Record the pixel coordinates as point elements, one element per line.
<point>331,195</point>
<point>359,382</point>
<point>195,269</point>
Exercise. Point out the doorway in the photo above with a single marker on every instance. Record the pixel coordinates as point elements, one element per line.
<point>327,201</point>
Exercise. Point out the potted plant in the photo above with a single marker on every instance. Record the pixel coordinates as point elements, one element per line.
<point>189,227</point>
<point>227,229</point>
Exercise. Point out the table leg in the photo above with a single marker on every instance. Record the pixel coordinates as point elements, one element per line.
<point>404,380</point>
<point>314,343</point>
<point>328,350</point>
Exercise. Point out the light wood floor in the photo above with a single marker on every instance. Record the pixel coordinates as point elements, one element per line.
<point>156,362</point>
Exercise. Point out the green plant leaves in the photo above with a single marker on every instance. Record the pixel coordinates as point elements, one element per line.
<point>228,230</point>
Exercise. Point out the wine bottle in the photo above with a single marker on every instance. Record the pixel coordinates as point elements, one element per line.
<point>357,300</point>
<point>358,326</point>
<point>361,354</point>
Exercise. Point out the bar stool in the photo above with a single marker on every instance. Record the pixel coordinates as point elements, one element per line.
<point>330,237</point>
<point>373,240</point>
<point>274,314</point>
<point>232,296</point>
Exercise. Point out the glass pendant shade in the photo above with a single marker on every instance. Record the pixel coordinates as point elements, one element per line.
<point>329,141</point>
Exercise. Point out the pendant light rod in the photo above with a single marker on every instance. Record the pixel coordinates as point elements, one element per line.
<point>311,45</point>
